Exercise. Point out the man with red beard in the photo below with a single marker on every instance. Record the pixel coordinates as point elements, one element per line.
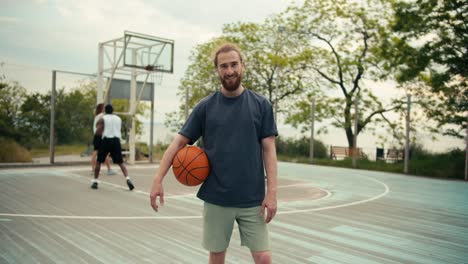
<point>238,131</point>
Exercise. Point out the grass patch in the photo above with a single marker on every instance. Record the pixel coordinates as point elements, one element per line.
<point>348,163</point>
<point>448,165</point>
<point>443,165</point>
<point>13,152</point>
<point>43,151</point>
<point>77,149</point>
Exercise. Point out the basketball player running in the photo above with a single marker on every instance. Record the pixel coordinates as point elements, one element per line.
<point>110,125</point>
<point>97,139</point>
<point>238,131</point>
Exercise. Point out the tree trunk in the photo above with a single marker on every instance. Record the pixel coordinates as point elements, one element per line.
<point>348,128</point>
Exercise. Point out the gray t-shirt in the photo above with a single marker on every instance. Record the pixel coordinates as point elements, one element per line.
<point>232,129</point>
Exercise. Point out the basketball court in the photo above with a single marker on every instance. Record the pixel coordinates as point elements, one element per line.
<point>325,215</point>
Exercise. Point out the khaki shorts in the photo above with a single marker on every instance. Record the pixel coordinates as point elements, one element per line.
<point>218,223</point>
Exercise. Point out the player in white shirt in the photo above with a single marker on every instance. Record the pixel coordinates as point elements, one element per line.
<point>110,126</point>
<point>97,139</point>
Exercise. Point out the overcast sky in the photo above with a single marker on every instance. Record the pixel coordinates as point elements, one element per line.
<point>64,35</point>
<point>38,36</point>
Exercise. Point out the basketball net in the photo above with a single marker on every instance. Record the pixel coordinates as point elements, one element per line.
<point>153,76</point>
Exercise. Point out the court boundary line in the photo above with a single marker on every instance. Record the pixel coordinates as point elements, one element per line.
<point>386,191</point>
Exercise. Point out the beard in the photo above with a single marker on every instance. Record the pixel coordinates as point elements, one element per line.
<point>231,83</point>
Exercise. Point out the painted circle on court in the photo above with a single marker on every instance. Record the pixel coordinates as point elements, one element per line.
<point>323,194</point>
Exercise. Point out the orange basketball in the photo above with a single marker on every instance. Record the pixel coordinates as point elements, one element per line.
<point>191,166</point>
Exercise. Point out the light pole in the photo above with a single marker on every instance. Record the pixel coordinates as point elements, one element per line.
<point>407,141</point>
<point>312,121</point>
<point>466,149</point>
<point>186,102</point>
<point>52,119</point>
<point>356,120</point>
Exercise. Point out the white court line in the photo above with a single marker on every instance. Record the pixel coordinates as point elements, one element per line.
<point>189,194</point>
<point>126,188</point>
<point>387,190</point>
<point>82,168</point>
<point>102,217</point>
<point>294,185</point>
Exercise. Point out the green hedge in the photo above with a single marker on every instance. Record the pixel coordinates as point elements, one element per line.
<point>299,148</point>
<point>450,164</point>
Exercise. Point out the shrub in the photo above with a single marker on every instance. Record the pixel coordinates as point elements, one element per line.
<point>441,165</point>
<point>13,152</point>
<point>300,147</point>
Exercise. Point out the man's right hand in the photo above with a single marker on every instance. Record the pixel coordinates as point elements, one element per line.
<point>156,190</point>
<point>177,143</point>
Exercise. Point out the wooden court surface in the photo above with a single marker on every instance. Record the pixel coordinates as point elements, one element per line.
<point>325,215</point>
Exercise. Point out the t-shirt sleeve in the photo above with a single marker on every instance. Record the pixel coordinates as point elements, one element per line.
<point>192,128</point>
<point>268,122</point>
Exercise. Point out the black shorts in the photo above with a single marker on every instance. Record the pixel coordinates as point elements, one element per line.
<point>97,140</point>
<point>112,146</point>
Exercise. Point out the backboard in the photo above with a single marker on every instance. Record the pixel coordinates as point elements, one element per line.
<point>148,52</point>
<point>120,89</point>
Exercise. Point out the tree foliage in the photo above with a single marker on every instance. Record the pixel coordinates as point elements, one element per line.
<point>270,69</point>
<point>26,117</point>
<point>343,40</point>
<point>35,119</point>
<point>338,50</point>
<point>430,48</point>
<point>12,96</point>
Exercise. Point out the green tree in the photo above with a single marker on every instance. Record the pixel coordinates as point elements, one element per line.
<point>271,69</point>
<point>35,119</point>
<point>75,114</point>
<point>26,117</point>
<point>343,40</point>
<point>199,80</point>
<point>430,49</point>
<point>275,65</point>
<point>73,117</point>
<point>12,96</point>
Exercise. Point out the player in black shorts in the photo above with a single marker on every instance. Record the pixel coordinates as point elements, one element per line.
<point>110,125</point>
<point>98,113</point>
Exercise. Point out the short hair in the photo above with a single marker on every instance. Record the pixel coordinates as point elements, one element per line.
<point>99,108</point>
<point>227,47</point>
<point>109,109</point>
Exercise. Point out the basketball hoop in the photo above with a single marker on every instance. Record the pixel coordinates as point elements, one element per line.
<point>135,55</point>
<point>149,67</point>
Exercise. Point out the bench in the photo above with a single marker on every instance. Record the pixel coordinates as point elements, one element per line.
<point>344,152</point>
<point>395,155</point>
<point>336,152</point>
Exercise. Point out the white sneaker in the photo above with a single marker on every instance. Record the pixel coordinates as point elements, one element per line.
<point>111,172</point>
